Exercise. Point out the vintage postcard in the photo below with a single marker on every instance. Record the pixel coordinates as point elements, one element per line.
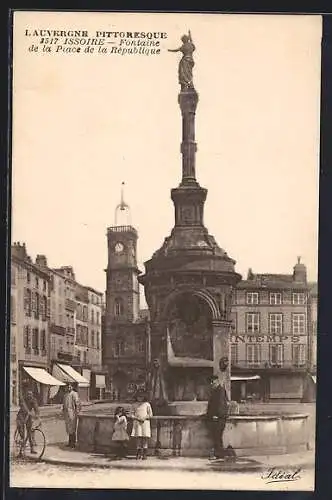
<point>165,175</point>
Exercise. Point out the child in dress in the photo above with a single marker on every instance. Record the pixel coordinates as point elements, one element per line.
<point>141,424</point>
<point>120,436</point>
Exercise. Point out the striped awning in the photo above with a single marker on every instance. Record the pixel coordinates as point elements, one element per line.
<point>42,376</point>
<point>67,374</point>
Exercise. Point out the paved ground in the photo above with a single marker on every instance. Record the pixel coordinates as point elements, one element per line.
<point>45,475</point>
<point>66,469</point>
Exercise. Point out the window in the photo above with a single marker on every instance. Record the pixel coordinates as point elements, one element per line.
<point>26,337</point>
<point>37,305</point>
<point>13,275</point>
<point>299,354</point>
<point>35,340</point>
<point>93,338</point>
<point>118,307</point>
<point>78,334</point>
<point>234,354</point>
<point>253,354</point>
<point>92,316</point>
<point>79,311</point>
<point>252,322</point>
<point>298,323</point>
<point>275,298</point>
<point>43,341</point>
<point>98,340</point>
<point>85,357</point>
<point>276,354</point>
<point>139,344</point>
<point>44,285</point>
<point>85,333</point>
<point>44,308</point>
<point>53,346</point>
<point>13,347</point>
<point>298,299</point>
<point>85,313</point>
<point>12,309</point>
<point>275,323</point>
<point>27,301</point>
<point>28,277</point>
<point>252,298</point>
<point>98,318</point>
<point>36,282</point>
<point>119,348</point>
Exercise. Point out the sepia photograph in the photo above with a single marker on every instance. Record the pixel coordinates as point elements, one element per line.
<point>164,250</point>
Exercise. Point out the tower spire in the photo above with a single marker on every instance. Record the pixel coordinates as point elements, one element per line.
<point>124,208</point>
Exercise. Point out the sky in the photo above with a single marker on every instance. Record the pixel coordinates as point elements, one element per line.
<point>83,123</point>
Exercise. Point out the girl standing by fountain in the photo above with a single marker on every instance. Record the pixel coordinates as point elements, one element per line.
<point>120,435</point>
<point>141,424</point>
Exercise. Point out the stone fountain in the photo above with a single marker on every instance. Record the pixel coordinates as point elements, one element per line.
<point>188,286</point>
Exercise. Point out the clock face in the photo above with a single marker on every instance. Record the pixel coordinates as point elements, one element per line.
<point>119,247</point>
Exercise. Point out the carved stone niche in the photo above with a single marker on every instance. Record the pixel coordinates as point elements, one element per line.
<point>190,327</point>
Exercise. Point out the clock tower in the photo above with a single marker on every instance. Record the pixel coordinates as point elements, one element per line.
<point>122,294</point>
<point>125,327</point>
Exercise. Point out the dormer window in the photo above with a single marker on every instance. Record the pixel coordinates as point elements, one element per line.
<point>298,299</point>
<point>252,298</point>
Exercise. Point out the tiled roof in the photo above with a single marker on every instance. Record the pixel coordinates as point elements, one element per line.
<point>273,281</point>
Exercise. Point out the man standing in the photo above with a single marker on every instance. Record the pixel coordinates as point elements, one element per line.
<point>217,411</point>
<point>28,411</point>
<point>71,410</point>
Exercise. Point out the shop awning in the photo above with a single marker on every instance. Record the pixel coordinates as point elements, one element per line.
<point>68,374</point>
<point>250,377</point>
<point>42,376</point>
<point>100,381</point>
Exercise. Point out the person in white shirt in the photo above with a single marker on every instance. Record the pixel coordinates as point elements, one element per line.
<point>141,424</point>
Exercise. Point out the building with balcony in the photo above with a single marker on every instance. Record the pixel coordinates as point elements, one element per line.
<point>79,353</point>
<point>46,304</point>
<point>30,315</point>
<point>272,336</point>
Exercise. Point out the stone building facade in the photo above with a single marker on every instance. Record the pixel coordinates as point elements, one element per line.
<point>272,336</point>
<point>30,315</point>
<point>45,332</point>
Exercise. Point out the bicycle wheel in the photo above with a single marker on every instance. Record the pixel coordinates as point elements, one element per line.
<point>39,445</point>
<point>17,445</point>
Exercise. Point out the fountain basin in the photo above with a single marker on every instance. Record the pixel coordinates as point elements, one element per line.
<point>187,435</point>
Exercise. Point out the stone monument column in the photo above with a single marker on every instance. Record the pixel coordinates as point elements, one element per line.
<point>190,264</point>
<point>188,100</point>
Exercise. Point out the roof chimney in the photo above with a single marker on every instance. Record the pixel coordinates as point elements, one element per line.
<point>19,251</point>
<point>41,260</point>
<point>300,272</point>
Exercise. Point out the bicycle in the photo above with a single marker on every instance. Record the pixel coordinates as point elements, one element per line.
<point>21,444</point>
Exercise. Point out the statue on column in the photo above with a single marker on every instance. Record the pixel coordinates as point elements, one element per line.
<point>186,63</point>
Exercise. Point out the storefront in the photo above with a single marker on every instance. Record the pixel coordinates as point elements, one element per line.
<point>68,374</point>
<point>287,386</point>
<point>246,388</point>
<point>40,382</point>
